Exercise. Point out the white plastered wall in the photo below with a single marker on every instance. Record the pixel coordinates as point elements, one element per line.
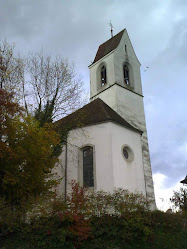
<point>95,74</point>
<point>111,169</point>
<point>127,175</point>
<point>99,137</point>
<point>121,56</point>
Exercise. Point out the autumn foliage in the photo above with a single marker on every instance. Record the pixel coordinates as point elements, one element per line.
<point>76,211</point>
<point>8,111</point>
<point>26,154</point>
<point>96,220</point>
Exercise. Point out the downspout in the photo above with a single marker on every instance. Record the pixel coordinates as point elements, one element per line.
<point>66,166</point>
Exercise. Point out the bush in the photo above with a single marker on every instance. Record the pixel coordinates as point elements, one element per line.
<point>94,221</point>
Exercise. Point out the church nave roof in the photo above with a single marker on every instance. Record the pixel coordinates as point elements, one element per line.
<point>95,112</point>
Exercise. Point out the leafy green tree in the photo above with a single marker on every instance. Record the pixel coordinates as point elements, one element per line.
<point>27,157</point>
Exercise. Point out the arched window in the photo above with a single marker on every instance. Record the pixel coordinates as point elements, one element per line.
<point>88,170</point>
<point>126,75</point>
<point>103,76</point>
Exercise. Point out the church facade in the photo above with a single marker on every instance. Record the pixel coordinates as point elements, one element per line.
<point>107,145</point>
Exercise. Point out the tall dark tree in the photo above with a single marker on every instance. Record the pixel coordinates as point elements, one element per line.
<point>27,158</point>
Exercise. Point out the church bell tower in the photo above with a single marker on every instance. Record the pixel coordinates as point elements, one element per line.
<point>115,79</point>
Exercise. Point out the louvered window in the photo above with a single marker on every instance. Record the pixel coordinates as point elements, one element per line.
<point>126,75</point>
<point>103,76</point>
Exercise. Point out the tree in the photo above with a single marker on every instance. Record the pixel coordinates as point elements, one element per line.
<point>47,88</point>
<point>27,158</point>
<point>179,199</point>
<point>10,68</point>
<point>56,87</point>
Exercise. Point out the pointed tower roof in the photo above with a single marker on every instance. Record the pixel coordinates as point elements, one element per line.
<point>108,46</point>
<point>184,181</point>
<point>95,112</point>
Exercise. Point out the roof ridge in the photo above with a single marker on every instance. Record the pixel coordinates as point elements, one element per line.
<point>112,37</point>
<point>94,112</point>
<point>108,46</point>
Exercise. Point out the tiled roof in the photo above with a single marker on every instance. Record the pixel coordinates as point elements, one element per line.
<point>95,112</point>
<point>184,181</point>
<point>108,46</point>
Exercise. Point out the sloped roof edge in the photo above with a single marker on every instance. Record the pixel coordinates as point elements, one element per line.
<point>93,113</point>
<point>108,46</point>
<point>184,181</point>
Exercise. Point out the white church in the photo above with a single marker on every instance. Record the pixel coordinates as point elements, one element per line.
<point>107,145</point>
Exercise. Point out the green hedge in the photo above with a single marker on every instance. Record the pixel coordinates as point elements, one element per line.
<point>134,230</point>
<point>97,220</point>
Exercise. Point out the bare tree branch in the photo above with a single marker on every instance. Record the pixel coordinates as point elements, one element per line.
<point>47,87</point>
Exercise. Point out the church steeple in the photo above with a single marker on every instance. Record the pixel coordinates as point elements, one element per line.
<point>121,66</point>
<point>115,78</point>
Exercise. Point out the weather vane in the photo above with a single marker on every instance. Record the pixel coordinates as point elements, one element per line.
<point>111,28</point>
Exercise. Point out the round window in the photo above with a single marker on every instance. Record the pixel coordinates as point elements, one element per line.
<point>127,153</point>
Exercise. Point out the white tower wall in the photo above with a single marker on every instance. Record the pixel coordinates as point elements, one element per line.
<point>126,100</point>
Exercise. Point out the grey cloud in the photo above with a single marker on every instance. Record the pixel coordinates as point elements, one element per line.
<point>165,104</point>
<point>173,168</point>
<point>22,18</point>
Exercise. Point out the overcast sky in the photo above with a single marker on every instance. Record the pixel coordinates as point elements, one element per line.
<point>158,32</point>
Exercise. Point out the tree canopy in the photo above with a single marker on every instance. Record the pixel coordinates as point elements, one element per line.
<point>179,199</point>
<point>27,155</point>
<point>33,92</point>
<point>48,87</point>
